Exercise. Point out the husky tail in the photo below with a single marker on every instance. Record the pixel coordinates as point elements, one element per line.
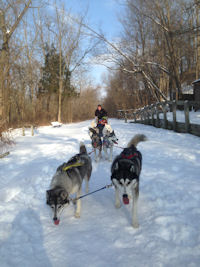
<point>83,148</point>
<point>136,139</point>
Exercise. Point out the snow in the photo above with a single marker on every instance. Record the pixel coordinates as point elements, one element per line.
<point>196,81</point>
<point>168,208</point>
<point>56,124</point>
<point>180,116</point>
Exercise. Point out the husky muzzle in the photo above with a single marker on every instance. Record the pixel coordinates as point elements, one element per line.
<point>55,218</point>
<point>57,210</point>
<point>56,221</point>
<point>125,199</point>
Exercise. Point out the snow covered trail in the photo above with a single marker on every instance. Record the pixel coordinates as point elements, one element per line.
<point>169,203</point>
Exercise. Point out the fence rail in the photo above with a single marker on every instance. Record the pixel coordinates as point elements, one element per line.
<point>150,115</point>
<point>28,126</point>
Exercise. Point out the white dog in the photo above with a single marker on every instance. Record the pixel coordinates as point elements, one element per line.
<point>109,139</point>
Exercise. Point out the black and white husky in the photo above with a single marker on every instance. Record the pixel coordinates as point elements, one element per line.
<point>109,139</point>
<point>125,172</point>
<point>68,180</point>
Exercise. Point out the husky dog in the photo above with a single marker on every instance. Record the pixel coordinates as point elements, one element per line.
<point>109,139</point>
<point>96,142</point>
<point>68,180</point>
<point>125,172</point>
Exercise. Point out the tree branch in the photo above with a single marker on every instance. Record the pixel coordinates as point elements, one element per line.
<point>9,34</point>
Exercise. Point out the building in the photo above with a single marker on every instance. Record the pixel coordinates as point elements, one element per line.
<point>196,86</point>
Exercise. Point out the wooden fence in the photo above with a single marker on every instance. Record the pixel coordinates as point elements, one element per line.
<point>28,126</point>
<point>150,115</point>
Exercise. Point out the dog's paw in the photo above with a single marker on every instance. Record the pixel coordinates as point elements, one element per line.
<point>77,215</point>
<point>136,225</point>
<point>74,201</point>
<point>117,205</point>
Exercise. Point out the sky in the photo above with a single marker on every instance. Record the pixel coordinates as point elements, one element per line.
<point>101,14</point>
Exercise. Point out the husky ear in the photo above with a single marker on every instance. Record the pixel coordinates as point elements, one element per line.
<point>47,196</point>
<point>63,194</point>
<point>116,166</point>
<point>115,135</point>
<point>111,133</point>
<point>92,130</point>
<point>132,168</point>
<point>97,130</point>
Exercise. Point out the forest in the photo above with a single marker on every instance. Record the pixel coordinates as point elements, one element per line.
<point>44,52</point>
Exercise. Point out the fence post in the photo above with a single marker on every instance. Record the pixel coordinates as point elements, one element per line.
<point>23,131</point>
<point>142,116</point>
<point>134,115</point>
<point>32,130</point>
<point>157,115</point>
<point>125,116</point>
<point>174,114</point>
<point>145,115</point>
<point>152,115</point>
<point>147,110</point>
<point>164,114</point>
<point>187,119</point>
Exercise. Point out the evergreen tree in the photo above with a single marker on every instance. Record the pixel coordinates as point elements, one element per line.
<point>50,74</point>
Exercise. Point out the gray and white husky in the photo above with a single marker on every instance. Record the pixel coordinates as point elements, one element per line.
<point>68,180</point>
<point>96,142</point>
<point>125,173</point>
<point>109,139</point>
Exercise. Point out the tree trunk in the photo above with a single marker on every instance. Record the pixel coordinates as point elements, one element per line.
<point>4,66</point>
<point>60,101</point>
<point>197,43</point>
<point>4,58</point>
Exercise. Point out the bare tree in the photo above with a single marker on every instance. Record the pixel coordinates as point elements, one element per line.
<point>7,30</point>
<point>69,38</point>
<point>166,48</point>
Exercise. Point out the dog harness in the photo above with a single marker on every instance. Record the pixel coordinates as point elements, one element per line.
<point>131,156</point>
<point>77,164</point>
<point>97,144</point>
<point>73,162</point>
<point>130,159</point>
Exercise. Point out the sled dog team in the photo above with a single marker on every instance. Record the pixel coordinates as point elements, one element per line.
<point>106,142</point>
<point>125,172</point>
